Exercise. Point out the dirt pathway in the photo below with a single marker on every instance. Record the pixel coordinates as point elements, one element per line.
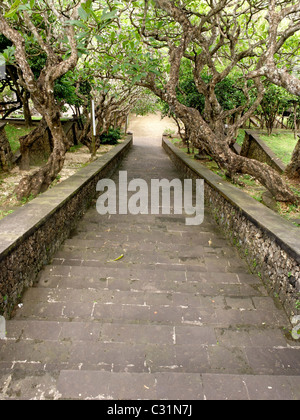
<point>152,126</point>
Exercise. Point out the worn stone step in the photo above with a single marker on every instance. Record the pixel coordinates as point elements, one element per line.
<point>147,235</point>
<point>149,260</point>
<point>149,307</point>
<point>145,224</point>
<point>190,260</point>
<point>97,246</point>
<point>94,331</point>
<point>148,298</point>
<point>159,278</point>
<point>102,385</point>
<point>182,350</point>
<point>174,386</point>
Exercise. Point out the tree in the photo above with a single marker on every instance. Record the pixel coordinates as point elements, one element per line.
<point>113,101</point>
<point>282,19</point>
<point>275,98</point>
<point>216,37</point>
<point>49,24</point>
<point>10,80</point>
<point>61,31</point>
<point>282,42</point>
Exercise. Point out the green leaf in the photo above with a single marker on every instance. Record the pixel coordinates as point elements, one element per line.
<point>100,39</point>
<point>117,259</point>
<point>13,9</point>
<point>136,79</point>
<point>24,7</point>
<point>108,15</point>
<point>78,23</point>
<point>152,70</point>
<point>112,36</point>
<point>83,14</point>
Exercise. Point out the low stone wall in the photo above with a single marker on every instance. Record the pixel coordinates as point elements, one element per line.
<point>255,148</point>
<point>41,149</point>
<point>32,234</point>
<point>270,244</point>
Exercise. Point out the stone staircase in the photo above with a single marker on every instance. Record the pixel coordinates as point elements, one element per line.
<point>179,316</point>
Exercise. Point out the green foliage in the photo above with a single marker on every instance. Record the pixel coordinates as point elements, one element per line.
<point>65,90</point>
<point>111,137</point>
<point>147,104</point>
<point>7,49</point>
<point>241,137</point>
<point>190,96</point>
<point>228,91</point>
<point>276,100</point>
<point>36,58</point>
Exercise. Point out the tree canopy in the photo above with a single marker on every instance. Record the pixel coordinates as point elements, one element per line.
<point>211,62</point>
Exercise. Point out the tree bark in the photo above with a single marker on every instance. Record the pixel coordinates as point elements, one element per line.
<point>293,169</point>
<point>295,120</point>
<point>220,150</point>
<point>42,94</point>
<point>209,131</point>
<point>26,109</point>
<point>40,180</point>
<point>27,141</point>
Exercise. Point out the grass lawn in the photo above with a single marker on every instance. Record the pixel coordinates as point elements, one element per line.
<point>282,143</point>
<point>14,133</point>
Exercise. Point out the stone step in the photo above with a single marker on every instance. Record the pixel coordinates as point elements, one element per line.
<point>159,278</point>
<point>122,257</point>
<point>146,235</point>
<point>156,315</point>
<point>174,386</point>
<point>142,389</point>
<point>163,225</point>
<point>148,306</point>
<point>200,255</point>
<point>105,333</point>
<point>35,345</point>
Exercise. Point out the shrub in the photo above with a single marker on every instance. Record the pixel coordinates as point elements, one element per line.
<point>111,137</point>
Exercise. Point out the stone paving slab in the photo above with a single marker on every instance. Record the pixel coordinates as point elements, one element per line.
<point>178,317</point>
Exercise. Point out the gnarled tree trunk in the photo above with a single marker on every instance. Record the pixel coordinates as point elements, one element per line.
<point>42,89</point>
<point>220,150</point>
<point>40,180</point>
<point>26,109</point>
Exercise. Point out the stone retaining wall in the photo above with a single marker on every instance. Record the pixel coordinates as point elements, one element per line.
<point>41,149</point>
<point>255,148</point>
<point>270,244</point>
<point>32,234</point>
